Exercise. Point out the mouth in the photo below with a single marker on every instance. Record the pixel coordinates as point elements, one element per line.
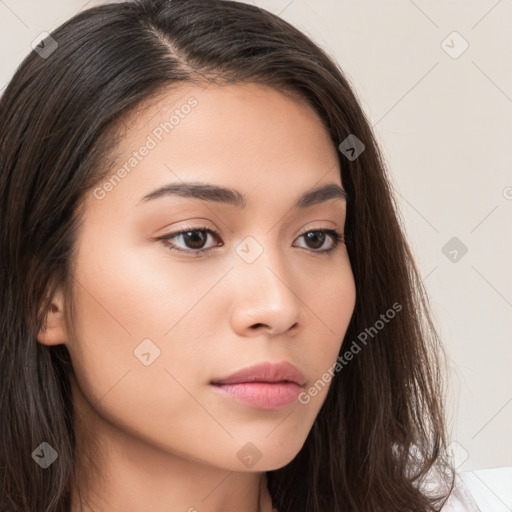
<point>267,386</point>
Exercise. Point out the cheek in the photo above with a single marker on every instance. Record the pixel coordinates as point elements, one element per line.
<point>139,352</point>
<point>141,292</point>
<point>135,307</point>
<point>332,307</point>
<point>337,301</point>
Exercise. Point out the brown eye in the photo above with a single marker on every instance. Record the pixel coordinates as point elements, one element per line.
<point>192,240</point>
<point>315,240</point>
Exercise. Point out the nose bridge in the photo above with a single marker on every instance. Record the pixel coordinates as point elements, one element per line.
<point>264,291</point>
<point>256,256</point>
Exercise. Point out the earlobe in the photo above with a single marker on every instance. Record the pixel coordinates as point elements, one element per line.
<point>53,330</point>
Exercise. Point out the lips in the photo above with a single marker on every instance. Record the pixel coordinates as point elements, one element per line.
<point>265,372</point>
<point>266,386</point>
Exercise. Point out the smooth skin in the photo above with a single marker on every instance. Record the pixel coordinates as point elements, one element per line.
<point>159,435</point>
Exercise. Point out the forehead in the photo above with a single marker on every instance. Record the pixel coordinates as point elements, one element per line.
<point>250,137</point>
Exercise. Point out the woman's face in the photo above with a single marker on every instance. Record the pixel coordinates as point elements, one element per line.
<point>157,321</point>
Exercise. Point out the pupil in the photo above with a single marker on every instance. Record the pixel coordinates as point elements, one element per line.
<point>199,235</point>
<point>315,237</point>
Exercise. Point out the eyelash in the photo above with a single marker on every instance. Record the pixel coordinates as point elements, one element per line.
<point>336,237</point>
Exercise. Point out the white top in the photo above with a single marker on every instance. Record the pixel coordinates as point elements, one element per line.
<point>483,490</point>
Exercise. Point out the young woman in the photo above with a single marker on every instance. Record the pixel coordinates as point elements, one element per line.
<point>207,300</point>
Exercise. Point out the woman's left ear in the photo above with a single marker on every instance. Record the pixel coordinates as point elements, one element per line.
<point>53,331</point>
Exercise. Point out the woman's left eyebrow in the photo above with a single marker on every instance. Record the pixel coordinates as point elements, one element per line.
<point>209,192</point>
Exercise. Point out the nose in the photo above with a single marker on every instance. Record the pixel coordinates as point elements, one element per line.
<point>264,300</point>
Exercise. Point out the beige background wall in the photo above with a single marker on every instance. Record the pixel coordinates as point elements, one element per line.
<point>444,120</point>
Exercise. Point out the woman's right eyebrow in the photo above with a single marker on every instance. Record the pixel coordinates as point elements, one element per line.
<point>216,193</point>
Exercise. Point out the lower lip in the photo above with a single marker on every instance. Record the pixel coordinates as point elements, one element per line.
<point>262,395</point>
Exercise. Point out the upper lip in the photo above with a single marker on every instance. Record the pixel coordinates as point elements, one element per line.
<point>265,372</point>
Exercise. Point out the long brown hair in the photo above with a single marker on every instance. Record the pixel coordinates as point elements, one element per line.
<point>381,428</point>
